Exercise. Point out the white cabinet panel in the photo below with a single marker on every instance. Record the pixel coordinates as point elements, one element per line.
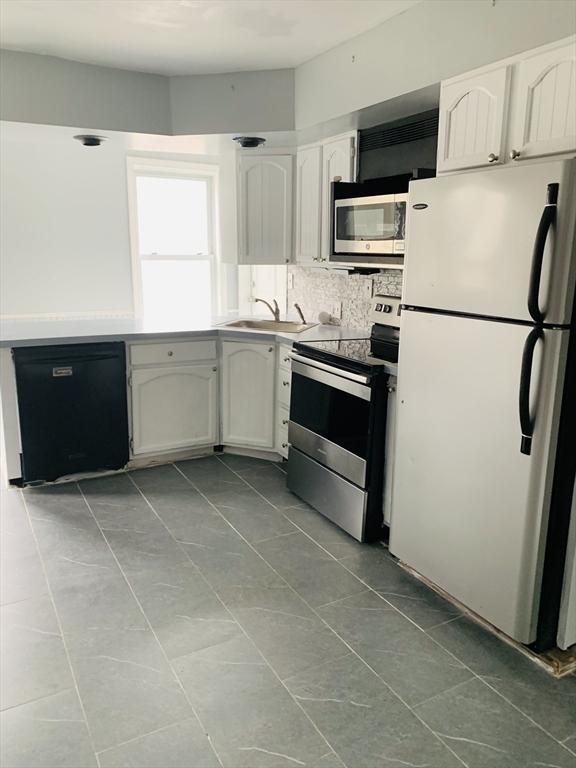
<point>282,418</point>
<point>265,209</point>
<point>172,352</point>
<point>337,163</point>
<point>174,407</point>
<point>544,120</point>
<point>473,120</point>
<point>308,204</point>
<point>248,394</point>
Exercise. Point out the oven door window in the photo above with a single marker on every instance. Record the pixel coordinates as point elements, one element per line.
<point>335,415</point>
<point>374,221</point>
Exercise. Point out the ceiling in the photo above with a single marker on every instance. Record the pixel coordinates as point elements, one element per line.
<point>179,37</point>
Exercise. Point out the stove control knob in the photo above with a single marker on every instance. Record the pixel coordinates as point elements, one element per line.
<point>386,308</point>
<point>378,307</point>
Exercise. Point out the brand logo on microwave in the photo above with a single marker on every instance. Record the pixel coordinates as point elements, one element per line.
<point>420,206</point>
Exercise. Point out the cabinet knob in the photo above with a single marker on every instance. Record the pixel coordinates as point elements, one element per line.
<point>270,349</point>
<point>286,359</point>
<point>214,369</point>
<point>515,154</point>
<point>492,158</point>
<point>284,445</point>
<point>170,353</point>
<point>284,422</point>
<point>285,383</point>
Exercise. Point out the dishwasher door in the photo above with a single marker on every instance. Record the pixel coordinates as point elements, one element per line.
<point>73,409</point>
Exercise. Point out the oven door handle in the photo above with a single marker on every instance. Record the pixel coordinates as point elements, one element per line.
<point>359,377</point>
<point>325,374</point>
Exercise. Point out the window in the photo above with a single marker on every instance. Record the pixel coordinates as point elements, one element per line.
<point>173,230</point>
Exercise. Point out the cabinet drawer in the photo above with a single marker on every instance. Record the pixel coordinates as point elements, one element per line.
<point>284,357</point>
<point>284,386</point>
<point>175,352</point>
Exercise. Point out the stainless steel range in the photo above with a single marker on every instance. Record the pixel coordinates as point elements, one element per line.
<point>337,429</point>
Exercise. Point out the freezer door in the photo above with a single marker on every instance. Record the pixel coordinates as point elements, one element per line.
<point>470,509</point>
<point>474,240</point>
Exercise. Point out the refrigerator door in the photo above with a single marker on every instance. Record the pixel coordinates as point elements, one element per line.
<point>469,508</point>
<point>471,242</point>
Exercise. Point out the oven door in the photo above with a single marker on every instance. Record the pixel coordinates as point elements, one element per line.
<point>330,417</point>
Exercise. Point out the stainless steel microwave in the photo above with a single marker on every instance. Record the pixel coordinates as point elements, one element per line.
<point>369,230</point>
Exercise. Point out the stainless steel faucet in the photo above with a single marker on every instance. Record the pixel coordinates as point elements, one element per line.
<point>274,309</point>
<point>297,307</point>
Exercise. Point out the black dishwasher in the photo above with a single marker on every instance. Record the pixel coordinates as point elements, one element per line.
<point>72,407</point>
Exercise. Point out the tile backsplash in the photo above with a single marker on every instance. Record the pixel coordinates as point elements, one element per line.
<point>317,290</point>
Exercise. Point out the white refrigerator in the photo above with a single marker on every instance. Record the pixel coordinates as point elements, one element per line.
<point>486,448</point>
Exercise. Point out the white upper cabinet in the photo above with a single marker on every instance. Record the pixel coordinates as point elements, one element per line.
<point>248,394</point>
<point>174,407</point>
<point>338,163</point>
<point>518,109</point>
<point>265,209</point>
<point>472,120</point>
<point>544,113</point>
<point>308,204</point>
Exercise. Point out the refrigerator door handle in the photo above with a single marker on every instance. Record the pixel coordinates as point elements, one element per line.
<point>526,421</point>
<point>546,221</point>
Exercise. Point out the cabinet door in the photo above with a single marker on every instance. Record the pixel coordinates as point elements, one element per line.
<point>473,113</point>
<point>248,394</point>
<point>265,209</point>
<point>308,204</point>
<point>337,162</point>
<point>544,119</point>
<point>174,407</point>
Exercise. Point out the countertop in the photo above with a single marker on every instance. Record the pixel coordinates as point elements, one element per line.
<point>25,333</point>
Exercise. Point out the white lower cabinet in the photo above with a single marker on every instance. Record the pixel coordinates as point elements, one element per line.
<point>248,394</point>
<point>283,387</point>
<point>174,407</point>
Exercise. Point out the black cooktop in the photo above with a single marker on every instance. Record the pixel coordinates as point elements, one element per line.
<point>351,354</point>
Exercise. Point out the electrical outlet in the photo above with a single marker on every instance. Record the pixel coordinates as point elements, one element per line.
<point>336,310</point>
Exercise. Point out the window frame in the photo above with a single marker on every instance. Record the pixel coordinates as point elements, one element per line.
<point>175,169</point>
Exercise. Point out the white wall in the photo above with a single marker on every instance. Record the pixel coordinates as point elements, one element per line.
<point>53,91</point>
<point>432,41</point>
<point>64,236</point>
<point>65,241</point>
<point>233,103</point>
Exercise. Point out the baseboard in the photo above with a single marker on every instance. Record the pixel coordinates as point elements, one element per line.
<point>254,453</point>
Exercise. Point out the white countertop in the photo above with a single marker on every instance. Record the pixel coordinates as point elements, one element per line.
<point>24,333</point>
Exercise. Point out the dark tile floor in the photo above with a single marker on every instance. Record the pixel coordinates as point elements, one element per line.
<point>199,615</point>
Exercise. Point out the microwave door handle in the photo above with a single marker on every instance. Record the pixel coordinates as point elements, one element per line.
<point>547,219</point>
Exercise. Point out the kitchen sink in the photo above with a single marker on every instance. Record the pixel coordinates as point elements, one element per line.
<point>287,326</point>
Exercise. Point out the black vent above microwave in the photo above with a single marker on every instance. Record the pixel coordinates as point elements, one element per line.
<point>395,148</point>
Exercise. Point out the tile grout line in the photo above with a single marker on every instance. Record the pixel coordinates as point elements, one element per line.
<point>168,661</point>
<point>64,643</point>
<point>446,650</point>
<point>178,543</point>
<point>143,736</point>
<point>47,696</point>
<point>297,703</point>
<point>352,650</point>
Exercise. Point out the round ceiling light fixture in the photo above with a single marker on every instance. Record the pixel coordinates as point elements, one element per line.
<point>90,139</point>
<point>249,142</point>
